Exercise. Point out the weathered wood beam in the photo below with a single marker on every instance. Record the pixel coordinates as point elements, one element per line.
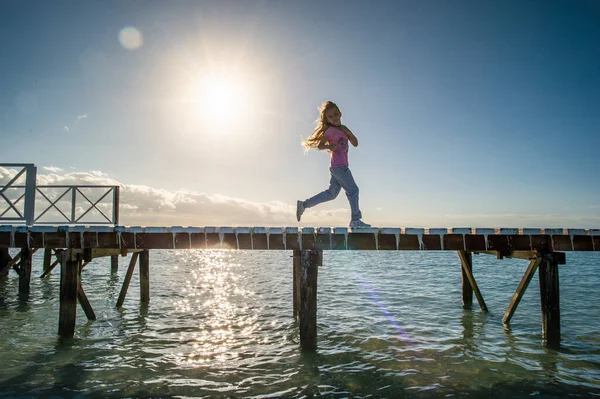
<point>69,283</point>
<point>145,276</point>
<point>84,302</point>
<point>52,266</point>
<point>465,267</point>
<point>11,263</point>
<point>47,258</point>
<point>550,301</point>
<point>467,290</point>
<point>260,238</point>
<point>127,280</point>
<point>522,287</point>
<point>308,298</point>
<point>526,255</point>
<point>112,252</point>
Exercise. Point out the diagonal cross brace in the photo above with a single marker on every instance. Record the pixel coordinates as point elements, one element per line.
<point>93,205</point>
<point>52,204</point>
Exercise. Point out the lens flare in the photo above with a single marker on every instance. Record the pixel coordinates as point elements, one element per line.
<point>369,290</point>
<point>131,38</point>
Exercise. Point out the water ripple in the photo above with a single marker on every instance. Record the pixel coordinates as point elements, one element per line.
<point>220,324</point>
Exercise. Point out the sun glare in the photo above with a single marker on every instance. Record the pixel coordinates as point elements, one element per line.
<point>220,98</point>
<point>217,104</point>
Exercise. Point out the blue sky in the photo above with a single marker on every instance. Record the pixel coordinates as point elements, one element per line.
<point>468,113</point>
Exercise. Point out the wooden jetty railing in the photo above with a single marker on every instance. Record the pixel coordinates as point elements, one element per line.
<point>75,246</point>
<point>21,205</point>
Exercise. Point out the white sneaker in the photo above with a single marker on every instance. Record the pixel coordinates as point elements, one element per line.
<point>359,224</point>
<point>299,209</point>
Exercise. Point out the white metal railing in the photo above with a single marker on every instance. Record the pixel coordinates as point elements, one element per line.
<point>75,197</point>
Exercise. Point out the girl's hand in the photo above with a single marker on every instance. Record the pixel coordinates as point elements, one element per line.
<point>332,147</point>
<point>351,137</point>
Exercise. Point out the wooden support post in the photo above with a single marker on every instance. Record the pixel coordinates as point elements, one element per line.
<point>145,276</point>
<point>114,263</point>
<point>531,269</point>
<point>550,302</point>
<point>25,273</point>
<point>84,302</point>
<point>130,270</point>
<point>11,264</point>
<point>4,261</point>
<point>467,290</point>
<point>52,266</point>
<point>296,272</point>
<point>69,283</point>
<point>467,270</point>
<point>47,258</point>
<point>308,298</point>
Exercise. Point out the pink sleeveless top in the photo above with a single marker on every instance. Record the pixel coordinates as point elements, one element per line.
<point>339,157</point>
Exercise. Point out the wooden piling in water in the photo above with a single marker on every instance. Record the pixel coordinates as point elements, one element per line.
<point>69,283</point>
<point>308,298</point>
<point>296,273</point>
<point>84,302</point>
<point>47,258</point>
<point>5,259</point>
<point>130,269</point>
<point>145,276</point>
<point>512,306</point>
<point>57,253</point>
<point>467,290</point>
<point>549,296</point>
<point>467,267</point>
<point>25,270</point>
<point>12,263</point>
<point>114,263</point>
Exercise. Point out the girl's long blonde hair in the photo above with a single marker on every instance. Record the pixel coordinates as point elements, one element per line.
<point>322,125</point>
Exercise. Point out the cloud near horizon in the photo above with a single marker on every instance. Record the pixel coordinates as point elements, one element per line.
<point>147,206</point>
<point>142,205</point>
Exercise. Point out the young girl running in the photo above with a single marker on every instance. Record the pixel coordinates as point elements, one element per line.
<point>331,135</point>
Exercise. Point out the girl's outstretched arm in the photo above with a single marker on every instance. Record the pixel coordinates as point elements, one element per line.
<point>351,137</point>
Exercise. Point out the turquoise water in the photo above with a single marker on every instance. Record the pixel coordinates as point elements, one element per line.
<point>219,324</point>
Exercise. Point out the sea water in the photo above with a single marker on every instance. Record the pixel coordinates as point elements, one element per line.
<point>220,324</point>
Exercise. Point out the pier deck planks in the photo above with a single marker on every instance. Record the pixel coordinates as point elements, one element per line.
<point>292,238</point>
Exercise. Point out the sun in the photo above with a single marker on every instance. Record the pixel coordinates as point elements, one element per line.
<point>220,98</point>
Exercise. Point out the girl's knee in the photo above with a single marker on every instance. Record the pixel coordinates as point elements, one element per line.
<point>333,194</point>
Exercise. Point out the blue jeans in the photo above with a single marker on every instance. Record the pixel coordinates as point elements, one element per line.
<point>341,177</point>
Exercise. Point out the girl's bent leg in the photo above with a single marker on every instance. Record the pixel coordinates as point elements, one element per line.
<point>346,180</point>
<point>324,196</point>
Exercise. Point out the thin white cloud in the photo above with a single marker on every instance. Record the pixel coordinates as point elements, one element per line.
<point>148,206</point>
<point>79,119</point>
<point>53,169</point>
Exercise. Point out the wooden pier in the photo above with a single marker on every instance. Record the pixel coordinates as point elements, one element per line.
<point>75,246</point>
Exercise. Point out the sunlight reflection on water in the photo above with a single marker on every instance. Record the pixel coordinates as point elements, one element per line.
<point>220,324</point>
